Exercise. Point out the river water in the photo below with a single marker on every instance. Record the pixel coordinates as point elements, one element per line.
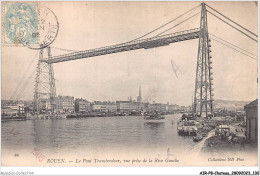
<point>128,134</point>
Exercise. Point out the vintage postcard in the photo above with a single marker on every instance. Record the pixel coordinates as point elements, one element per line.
<point>129,83</point>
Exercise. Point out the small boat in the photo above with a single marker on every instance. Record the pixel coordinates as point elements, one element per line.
<point>188,116</point>
<point>153,116</point>
<point>204,134</point>
<point>135,113</point>
<point>14,117</point>
<point>187,128</point>
<point>197,138</point>
<point>69,116</point>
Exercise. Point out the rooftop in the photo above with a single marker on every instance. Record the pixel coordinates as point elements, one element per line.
<point>252,104</point>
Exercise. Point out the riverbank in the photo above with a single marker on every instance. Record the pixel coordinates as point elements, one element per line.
<point>227,136</point>
<point>216,146</point>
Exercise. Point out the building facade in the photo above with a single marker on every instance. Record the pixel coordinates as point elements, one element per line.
<point>252,121</point>
<point>15,105</point>
<point>173,107</point>
<point>45,104</point>
<point>127,106</point>
<point>82,105</point>
<point>64,104</point>
<point>159,107</point>
<point>12,107</point>
<point>104,106</point>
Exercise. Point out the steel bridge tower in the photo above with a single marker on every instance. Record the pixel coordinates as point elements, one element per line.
<point>203,95</point>
<point>44,90</point>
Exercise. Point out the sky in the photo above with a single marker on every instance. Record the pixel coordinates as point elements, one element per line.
<point>88,25</point>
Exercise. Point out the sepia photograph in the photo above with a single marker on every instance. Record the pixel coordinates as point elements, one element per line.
<point>137,83</point>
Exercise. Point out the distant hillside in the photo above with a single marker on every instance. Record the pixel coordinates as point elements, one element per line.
<point>231,105</point>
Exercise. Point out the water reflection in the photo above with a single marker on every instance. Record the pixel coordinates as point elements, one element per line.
<point>155,125</point>
<point>97,133</point>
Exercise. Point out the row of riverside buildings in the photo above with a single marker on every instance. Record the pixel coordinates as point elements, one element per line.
<point>68,104</point>
<point>63,104</point>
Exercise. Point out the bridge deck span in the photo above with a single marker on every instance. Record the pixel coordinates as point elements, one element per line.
<point>133,45</point>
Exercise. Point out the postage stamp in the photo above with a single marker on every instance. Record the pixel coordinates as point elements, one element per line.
<point>20,23</point>
<point>28,24</point>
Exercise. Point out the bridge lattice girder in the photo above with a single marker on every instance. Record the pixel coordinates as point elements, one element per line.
<point>133,45</point>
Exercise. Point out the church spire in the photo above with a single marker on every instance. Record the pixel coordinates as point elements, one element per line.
<point>139,98</point>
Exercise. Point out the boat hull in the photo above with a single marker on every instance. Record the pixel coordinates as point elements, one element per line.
<point>197,139</point>
<point>13,118</point>
<point>187,133</point>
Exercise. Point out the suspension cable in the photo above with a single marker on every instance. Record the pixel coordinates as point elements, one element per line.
<point>178,24</point>
<point>166,23</point>
<point>21,80</point>
<point>234,49</point>
<point>233,44</point>
<point>233,26</point>
<point>150,31</point>
<point>63,49</point>
<point>233,21</point>
<point>25,85</point>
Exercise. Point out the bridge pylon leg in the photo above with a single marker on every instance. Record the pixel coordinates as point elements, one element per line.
<point>203,95</point>
<point>44,89</point>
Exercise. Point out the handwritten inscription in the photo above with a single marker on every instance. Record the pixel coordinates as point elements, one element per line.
<point>38,155</point>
